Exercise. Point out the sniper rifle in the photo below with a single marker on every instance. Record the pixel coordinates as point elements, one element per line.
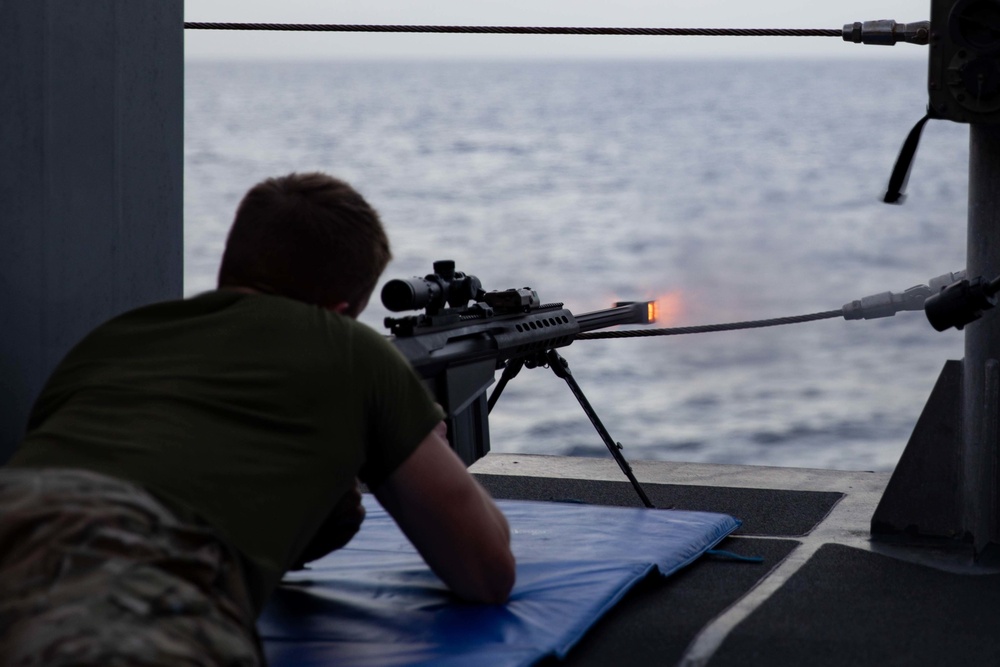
<point>466,334</point>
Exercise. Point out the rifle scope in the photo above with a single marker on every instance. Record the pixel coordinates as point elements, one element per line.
<point>433,291</point>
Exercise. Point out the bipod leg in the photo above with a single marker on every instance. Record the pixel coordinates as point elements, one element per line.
<point>560,367</point>
<point>512,368</point>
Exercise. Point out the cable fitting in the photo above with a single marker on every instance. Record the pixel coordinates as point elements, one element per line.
<point>887,32</point>
<point>939,283</point>
<point>961,303</point>
<point>887,304</point>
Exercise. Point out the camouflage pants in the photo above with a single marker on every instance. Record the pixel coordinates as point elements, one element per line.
<point>95,571</point>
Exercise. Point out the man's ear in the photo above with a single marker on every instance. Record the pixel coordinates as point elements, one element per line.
<point>341,308</point>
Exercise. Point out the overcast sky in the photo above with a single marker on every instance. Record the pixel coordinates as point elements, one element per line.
<point>624,13</point>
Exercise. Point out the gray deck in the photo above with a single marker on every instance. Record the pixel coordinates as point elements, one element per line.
<point>826,593</point>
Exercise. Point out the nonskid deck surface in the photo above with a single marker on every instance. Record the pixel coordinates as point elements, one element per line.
<point>825,593</point>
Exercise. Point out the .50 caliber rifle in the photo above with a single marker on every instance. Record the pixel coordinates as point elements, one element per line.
<point>467,334</point>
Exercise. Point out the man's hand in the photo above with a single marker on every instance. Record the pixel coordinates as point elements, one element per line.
<point>340,526</point>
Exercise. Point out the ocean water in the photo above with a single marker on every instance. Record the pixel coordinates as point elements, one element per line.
<point>729,190</point>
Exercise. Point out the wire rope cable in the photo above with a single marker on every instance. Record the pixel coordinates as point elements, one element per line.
<point>706,328</point>
<point>519,30</point>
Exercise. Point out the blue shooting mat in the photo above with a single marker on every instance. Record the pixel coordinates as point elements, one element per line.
<point>376,604</point>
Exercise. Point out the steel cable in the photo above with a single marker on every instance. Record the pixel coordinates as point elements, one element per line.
<point>520,30</point>
<point>706,328</point>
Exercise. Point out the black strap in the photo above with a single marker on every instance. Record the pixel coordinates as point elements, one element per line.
<point>901,172</point>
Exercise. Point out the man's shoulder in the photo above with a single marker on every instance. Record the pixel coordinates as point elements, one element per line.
<point>366,340</point>
<point>204,303</point>
<point>223,305</point>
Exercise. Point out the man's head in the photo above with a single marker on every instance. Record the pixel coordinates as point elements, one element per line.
<point>309,237</point>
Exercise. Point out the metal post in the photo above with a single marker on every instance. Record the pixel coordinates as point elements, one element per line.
<point>91,177</point>
<point>982,343</point>
<point>946,482</point>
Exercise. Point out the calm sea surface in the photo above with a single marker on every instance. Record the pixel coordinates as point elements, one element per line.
<point>730,190</point>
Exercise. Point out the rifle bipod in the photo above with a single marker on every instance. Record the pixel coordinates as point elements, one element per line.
<point>560,367</point>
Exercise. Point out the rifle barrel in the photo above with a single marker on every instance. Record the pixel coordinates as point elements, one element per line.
<point>632,312</point>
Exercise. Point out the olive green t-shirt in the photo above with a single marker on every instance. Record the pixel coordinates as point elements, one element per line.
<point>255,412</point>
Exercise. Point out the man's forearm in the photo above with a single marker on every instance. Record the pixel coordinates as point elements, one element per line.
<point>452,521</point>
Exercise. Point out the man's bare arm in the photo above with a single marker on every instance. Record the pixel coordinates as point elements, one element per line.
<point>451,520</point>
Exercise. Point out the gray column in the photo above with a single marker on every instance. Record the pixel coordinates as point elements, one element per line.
<point>982,342</point>
<point>91,177</point>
